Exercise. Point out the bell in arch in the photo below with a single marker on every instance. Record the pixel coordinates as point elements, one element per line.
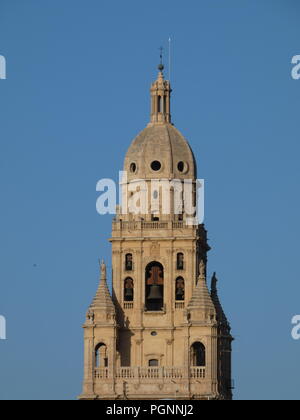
<point>180,289</point>
<point>128,290</point>
<point>180,293</point>
<point>129,293</point>
<point>155,293</point>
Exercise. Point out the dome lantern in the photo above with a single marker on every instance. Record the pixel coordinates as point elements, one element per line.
<point>160,99</point>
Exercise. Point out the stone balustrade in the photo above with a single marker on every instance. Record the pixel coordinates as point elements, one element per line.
<point>101,373</point>
<point>150,373</point>
<point>133,226</point>
<point>128,305</point>
<point>197,373</point>
<point>179,305</point>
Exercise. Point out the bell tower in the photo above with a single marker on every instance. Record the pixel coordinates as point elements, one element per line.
<point>163,334</point>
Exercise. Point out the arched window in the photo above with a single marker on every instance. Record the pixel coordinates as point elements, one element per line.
<point>160,104</point>
<point>101,357</point>
<point>198,355</point>
<point>154,286</point>
<point>128,290</point>
<point>128,262</point>
<point>153,363</point>
<point>180,289</point>
<point>180,261</point>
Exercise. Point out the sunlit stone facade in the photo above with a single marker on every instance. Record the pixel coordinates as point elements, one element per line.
<point>163,333</point>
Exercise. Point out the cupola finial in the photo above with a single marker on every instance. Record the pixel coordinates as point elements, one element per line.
<point>160,97</point>
<point>161,66</point>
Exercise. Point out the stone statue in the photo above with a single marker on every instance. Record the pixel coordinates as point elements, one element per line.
<point>202,269</point>
<point>103,269</point>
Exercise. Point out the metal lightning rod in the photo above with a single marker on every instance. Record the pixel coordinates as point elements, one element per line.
<point>170,59</point>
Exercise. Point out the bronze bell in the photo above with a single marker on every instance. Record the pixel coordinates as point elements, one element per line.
<point>129,293</point>
<point>155,293</point>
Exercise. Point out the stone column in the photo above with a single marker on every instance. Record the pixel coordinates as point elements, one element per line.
<point>138,287</point>
<point>138,358</point>
<point>187,355</point>
<point>214,363</point>
<point>88,361</point>
<point>117,275</point>
<point>139,306</point>
<point>169,352</point>
<point>190,274</point>
<point>170,288</point>
<point>168,111</point>
<point>186,377</point>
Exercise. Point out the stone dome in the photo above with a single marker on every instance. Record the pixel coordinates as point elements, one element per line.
<point>160,152</point>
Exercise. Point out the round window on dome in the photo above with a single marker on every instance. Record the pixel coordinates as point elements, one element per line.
<point>133,168</point>
<point>156,166</point>
<point>183,167</point>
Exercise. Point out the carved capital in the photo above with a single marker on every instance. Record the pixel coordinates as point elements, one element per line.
<point>139,252</point>
<point>90,316</point>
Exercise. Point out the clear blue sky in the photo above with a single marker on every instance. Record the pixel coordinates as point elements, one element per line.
<point>77,93</point>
